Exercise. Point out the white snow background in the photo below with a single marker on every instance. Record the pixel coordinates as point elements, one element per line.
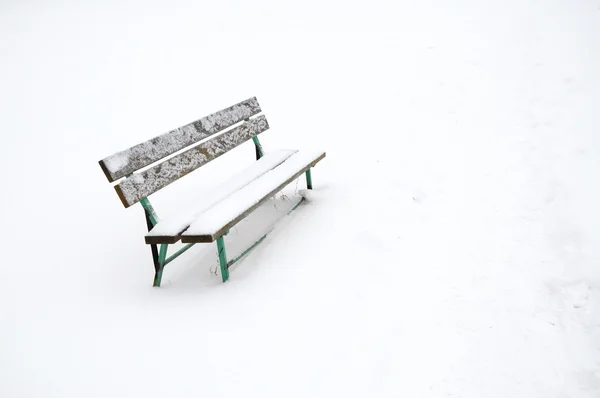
<point>450,247</point>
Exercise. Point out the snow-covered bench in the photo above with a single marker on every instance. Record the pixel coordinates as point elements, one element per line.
<point>224,207</point>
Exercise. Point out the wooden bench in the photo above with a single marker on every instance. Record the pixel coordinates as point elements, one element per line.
<point>226,205</point>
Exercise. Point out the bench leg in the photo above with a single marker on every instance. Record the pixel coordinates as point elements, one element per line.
<point>223,259</point>
<point>161,264</point>
<point>308,179</point>
<point>153,248</point>
<point>258,146</point>
<point>150,221</point>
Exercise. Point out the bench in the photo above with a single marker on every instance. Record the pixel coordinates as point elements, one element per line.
<point>225,206</point>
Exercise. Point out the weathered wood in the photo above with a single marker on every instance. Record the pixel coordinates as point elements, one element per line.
<point>212,237</point>
<point>158,240</point>
<point>126,162</point>
<point>141,185</point>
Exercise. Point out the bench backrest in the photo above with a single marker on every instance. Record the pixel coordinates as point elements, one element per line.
<point>140,185</point>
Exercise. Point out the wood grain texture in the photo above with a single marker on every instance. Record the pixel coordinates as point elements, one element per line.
<point>155,240</point>
<point>126,162</point>
<point>232,223</point>
<point>141,185</point>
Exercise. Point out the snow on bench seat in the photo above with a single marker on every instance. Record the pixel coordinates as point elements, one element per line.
<point>169,230</point>
<point>215,221</point>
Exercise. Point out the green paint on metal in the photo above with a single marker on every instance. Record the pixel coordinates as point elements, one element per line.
<point>145,202</point>
<point>162,256</point>
<point>296,205</point>
<point>308,179</point>
<point>248,250</point>
<point>222,258</point>
<point>179,253</point>
<point>258,146</point>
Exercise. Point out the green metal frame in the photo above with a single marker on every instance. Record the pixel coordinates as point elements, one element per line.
<point>259,150</point>
<point>151,213</point>
<point>308,179</point>
<point>222,258</point>
<point>160,259</point>
<point>160,256</point>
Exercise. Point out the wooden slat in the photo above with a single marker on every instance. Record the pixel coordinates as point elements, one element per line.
<point>126,162</point>
<point>169,230</point>
<point>141,185</point>
<point>212,237</point>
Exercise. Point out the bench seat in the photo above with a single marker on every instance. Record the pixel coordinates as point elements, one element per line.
<point>217,220</point>
<point>231,201</point>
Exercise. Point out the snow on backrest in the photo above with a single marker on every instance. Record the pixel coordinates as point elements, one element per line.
<point>140,185</point>
<point>126,162</point>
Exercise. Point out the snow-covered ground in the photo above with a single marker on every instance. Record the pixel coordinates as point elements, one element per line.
<point>451,247</point>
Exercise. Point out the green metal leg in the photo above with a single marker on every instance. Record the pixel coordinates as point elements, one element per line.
<point>259,150</point>
<point>223,259</point>
<point>149,210</point>
<point>308,179</point>
<point>161,264</point>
